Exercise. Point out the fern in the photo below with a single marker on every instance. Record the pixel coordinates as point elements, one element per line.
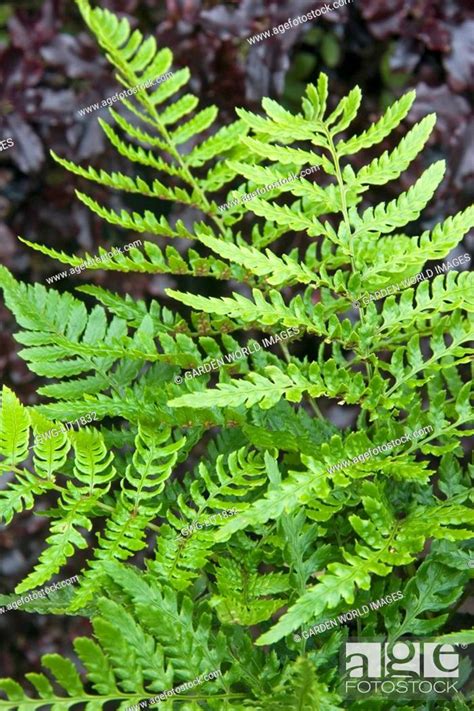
<point>218,486</point>
<point>323,519</point>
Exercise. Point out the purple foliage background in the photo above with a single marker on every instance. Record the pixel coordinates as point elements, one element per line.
<point>50,67</point>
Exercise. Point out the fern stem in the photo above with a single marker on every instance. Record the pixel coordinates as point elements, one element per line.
<point>345,214</point>
<point>315,408</point>
<point>342,190</point>
<point>106,507</point>
<point>285,351</point>
<point>312,402</point>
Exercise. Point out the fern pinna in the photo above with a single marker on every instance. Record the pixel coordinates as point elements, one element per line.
<point>308,538</point>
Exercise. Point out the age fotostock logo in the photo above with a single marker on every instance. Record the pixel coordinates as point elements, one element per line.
<point>405,669</point>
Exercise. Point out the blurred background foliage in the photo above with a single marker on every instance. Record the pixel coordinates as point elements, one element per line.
<point>50,67</point>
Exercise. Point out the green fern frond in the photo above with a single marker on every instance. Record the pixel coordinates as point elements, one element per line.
<point>405,209</point>
<point>92,462</point>
<point>379,130</point>
<point>65,538</point>
<point>135,154</point>
<point>184,547</point>
<point>151,644</point>
<point>266,390</point>
<point>217,466</point>
<point>145,478</point>
<point>14,429</point>
<point>49,453</point>
<point>300,688</point>
<point>398,257</point>
<point>21,494</point>
<point>119,181</point>
<point>150,260</point>
<point>123,536</point>
<point>135,222</point>
<point>391,165</point>
<point>404,540</point>
<point>243,595</point>
<point>239,307</point>
<point>277,270</point>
